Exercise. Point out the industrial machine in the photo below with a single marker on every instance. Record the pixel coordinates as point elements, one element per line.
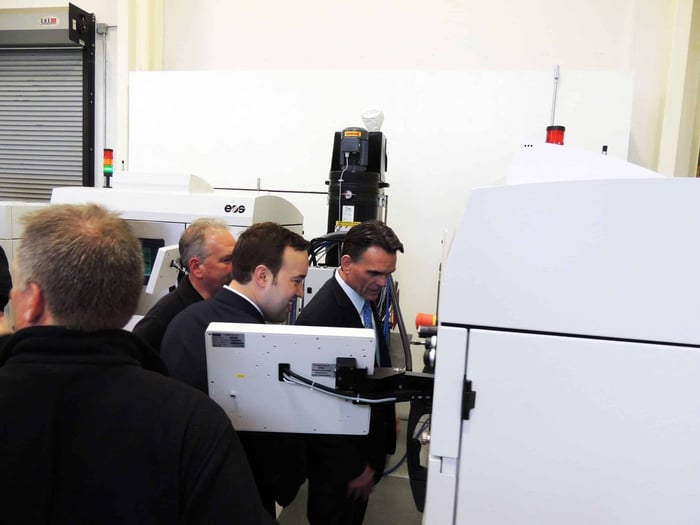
<point>356,181</point>
<point>568,357</point>
<point>159,207</point>
<point>355,194</point>
<point>11,228</point>
<point>305,379</point>
<point>11,213</point>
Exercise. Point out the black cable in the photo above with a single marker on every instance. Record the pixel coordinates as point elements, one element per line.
<point>357,399</point>
<point>393,469</point>
<point>402,327</point>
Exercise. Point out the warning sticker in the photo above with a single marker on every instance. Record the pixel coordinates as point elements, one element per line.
<point>228,340</point>
<point>322,370</point>
<point>344,226</point>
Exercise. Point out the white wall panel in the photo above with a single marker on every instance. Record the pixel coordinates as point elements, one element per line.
<point>447,133</point>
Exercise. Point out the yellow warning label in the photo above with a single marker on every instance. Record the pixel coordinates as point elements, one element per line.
<point>353,133</point>
<point>343,226</point>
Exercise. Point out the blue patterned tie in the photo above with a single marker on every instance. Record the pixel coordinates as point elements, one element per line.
<point>367,315</point>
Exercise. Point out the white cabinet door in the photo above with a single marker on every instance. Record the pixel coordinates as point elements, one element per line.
<point>579,431</point>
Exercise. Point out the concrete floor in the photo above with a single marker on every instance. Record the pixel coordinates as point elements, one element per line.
<point>391,502</point>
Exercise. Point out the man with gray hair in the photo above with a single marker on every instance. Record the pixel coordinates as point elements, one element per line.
<point>92,431</point>
<point>206,249</point>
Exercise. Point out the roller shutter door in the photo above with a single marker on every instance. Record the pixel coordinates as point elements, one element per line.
<point>41,122</point>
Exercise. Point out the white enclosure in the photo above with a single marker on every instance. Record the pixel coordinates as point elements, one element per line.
<point>243,372</point>
<point>572,308</point>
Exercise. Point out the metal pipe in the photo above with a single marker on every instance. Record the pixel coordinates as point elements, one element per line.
<point>402,327</point>
<point>556,87</point>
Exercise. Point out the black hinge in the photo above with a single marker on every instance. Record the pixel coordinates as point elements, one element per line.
<point>468,399</point>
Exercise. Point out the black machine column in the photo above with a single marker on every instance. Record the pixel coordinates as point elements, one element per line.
<point>356,182</point>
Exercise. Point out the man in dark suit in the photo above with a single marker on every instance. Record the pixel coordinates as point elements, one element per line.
<point>344,469</point>
<point>270,263</point>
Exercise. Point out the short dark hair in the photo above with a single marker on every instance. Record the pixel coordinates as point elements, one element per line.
<point>263,243</point>
<point>368,234</point>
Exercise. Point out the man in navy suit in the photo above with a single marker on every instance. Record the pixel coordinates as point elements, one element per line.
<point>270,263</point>
<point>344,469</point>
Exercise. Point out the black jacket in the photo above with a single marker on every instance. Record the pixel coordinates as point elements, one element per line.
<point>278,460</point>
<point>345,457</point>
<point>152,327</point>
<point>5,280</point>
<point>92,432</point>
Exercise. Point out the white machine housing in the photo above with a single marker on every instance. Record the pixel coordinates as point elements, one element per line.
<point>11,229</point>
<point>160,207</point>
<point>573,309</point>
<point>243,373</point>
<point>315,279</point>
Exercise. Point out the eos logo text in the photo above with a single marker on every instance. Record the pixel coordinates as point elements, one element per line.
<point>234,208</point>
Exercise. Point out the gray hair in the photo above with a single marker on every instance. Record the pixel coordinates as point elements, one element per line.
<point>87,262</point>
<point>192,244</point>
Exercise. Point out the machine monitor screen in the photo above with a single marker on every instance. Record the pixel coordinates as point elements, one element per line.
<point>150,250</point>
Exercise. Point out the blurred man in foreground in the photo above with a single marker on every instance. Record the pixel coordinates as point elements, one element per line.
<point>92,432</point>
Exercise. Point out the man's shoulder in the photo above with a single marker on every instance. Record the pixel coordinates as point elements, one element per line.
<point>192,314</point>
<point>179,298</point>
<point>173,302</point>
<point>329,289</point>
<point>199,314</point>
<point>330,305</point>
<point>165,309</point>
<point>159,317</point>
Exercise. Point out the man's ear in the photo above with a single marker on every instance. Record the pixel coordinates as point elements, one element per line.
<point>345,262</point>
<point>194,267</point>
<point>35,304</point>
<point>261,275</point>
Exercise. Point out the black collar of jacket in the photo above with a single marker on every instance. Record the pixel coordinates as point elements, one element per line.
<point>187,292</point>
<point>57,342</point>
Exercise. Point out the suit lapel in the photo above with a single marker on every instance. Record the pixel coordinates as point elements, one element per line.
<point>347,314</point>
<point>351,319</point>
